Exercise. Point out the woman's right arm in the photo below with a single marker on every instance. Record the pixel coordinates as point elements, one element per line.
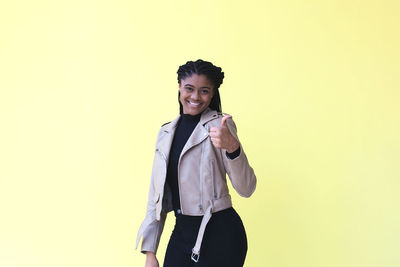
<point>151,228</point>
<point>151,260</point>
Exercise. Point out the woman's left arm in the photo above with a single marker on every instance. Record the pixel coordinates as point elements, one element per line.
<point>239,170</point>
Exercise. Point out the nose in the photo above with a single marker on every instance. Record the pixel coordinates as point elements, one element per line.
<point>195,95</point>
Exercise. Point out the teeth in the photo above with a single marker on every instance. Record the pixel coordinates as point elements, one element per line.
<point>195,104</point>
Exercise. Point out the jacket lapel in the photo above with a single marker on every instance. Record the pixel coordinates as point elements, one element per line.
<point>165,142</point>
<point>200,133</point>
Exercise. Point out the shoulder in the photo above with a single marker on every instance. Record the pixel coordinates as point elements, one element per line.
<point>165,127</point>
<point>229,121</point>
<point>169,126</point>
<point>214,118</point>
<point>163,130</point>
<point>165,124</point>
<point>221,115</point>
<point>210,114</point>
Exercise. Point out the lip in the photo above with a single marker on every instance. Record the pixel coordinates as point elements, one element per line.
<point>193,104</point>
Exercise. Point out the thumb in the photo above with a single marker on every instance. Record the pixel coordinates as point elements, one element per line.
<point>223,121</point>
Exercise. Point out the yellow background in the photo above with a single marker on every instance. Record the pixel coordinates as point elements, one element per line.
<point>313,87</point>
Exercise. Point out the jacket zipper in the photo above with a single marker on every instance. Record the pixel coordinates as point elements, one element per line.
<point>213,178</point>
<point>201,179</point>
<point>165,166</point>
<point>179,187</point>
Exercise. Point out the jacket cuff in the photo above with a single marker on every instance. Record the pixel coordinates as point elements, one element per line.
<point>152,235</point>
<point>234,154</point>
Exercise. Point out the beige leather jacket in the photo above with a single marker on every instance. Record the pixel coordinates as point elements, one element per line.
<point>202,183</point>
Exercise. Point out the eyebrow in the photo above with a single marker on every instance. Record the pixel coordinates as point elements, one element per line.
<point>188,84</point>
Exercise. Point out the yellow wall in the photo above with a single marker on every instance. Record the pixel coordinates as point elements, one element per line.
<point>312,85</point>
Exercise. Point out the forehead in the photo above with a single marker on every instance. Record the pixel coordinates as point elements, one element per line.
<point>197,80</point>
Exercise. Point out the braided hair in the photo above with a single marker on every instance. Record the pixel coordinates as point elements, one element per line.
<point>212,72</point>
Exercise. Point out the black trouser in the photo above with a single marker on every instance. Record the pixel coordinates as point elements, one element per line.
<point>224,242</point>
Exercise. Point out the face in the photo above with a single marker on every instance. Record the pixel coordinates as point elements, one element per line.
<point>196,93</point>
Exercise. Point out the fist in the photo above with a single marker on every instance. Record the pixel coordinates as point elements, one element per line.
<point>221,137</point>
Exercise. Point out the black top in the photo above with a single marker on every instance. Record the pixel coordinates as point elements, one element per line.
<point>184,129</point>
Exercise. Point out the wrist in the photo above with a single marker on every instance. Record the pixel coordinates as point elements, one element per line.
<point>235,145</point>
<point>150,254</point>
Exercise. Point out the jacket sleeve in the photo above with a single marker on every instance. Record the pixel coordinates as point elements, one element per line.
<point>151,228</point>
<point>239,171</point>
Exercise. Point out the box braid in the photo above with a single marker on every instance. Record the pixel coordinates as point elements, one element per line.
<point>212,72</point>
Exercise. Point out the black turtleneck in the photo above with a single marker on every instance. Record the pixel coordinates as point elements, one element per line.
<point>184,129</point>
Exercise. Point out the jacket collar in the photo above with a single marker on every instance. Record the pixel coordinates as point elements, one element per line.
<point>207,115</point>
<point>198,135</point>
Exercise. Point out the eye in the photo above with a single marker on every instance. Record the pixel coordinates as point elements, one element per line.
<point>189,88</point>
<point>204,92</point>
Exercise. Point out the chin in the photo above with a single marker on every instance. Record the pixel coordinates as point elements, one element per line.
<point>193,112</point>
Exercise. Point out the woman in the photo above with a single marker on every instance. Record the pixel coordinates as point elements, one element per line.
<point>193,154</point>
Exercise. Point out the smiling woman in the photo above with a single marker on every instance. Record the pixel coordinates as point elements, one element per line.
<point>194,153</point>
<point>196,92</point>
<point>206,76</point>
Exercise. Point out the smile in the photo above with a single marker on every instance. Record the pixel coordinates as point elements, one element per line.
<point>194,104</point>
